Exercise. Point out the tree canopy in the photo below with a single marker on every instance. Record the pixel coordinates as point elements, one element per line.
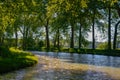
<point>65,22</point>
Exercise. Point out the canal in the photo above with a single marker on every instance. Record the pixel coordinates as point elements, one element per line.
<point>67,66</point>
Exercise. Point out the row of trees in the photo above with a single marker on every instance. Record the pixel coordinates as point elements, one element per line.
<point>58,22</point>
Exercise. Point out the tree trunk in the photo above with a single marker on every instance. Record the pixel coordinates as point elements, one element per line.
<point>58,39</point>
<point>115,35</point>
<point>47,35</point>
<point>93,30</point>
<point>16,37</point>
<point>0,39</point>
<point>72,37</point>
<point>55,39</point>
<point>80,35</point>
<point>24,39</point>
<point>109,29</point>
<point>3,40</point>
<point>118,10</point>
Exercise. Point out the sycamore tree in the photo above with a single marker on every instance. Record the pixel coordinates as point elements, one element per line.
<point>19,15</point>
<point>75,17</point>
<point>6,19</point>
<point>68,12</point>
<point>116,26</point>
<point>107,5</point>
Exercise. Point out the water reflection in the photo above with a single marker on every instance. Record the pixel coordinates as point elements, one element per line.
<point>89,72</point>
<point>97,60</point>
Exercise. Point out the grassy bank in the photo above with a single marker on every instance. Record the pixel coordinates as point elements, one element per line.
<point>13,59</point>
<point>84,51</point>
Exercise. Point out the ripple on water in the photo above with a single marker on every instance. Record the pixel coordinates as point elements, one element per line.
<point>61,71</point>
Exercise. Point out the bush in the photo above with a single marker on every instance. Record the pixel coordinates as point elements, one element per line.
<point>103,46</point>
<point>4,52</point>
<point>41,43</point>
<point>17,59</point>
<point>71,50</point>
<point>64,49</point>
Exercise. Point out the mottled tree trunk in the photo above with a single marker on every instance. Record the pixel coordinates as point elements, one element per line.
<point>55,39</point>
<point>109,29</point>
<point>23,41</point>
<point>115,35</point>
<point>72,37</point>
<point>58,39</point>
<point>25,35</point>
<point>93,30</point>
<point>118,10</point>
<point>80,35</point>
<point>47,34</point>
<point>16,37</point>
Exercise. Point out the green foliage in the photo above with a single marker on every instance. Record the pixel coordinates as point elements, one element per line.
<point>17,59</point>
<point>111,2</point>
<point>64,49</point>
<point>4,52</point>
<point>84,51</point>
<point>41,44</point>
<point>71,50</point>
<point>103,46</point>
<point>28,17</point>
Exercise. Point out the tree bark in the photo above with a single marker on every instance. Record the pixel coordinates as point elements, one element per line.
<point>118,10</point>
<point>93,30</point>
<point>55,39</point>
<point>0,39</point>
<point>80,35</point>
<point>58,39</point>
<point>47,35</point>
<point>23,41</point>
<point>26,37</point>
<point>109,29</point>
<point>16,37</point>
<point>72,37</point>
<point>115,35</point>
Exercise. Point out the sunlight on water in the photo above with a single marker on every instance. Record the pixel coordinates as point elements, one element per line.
<point>111,71</point>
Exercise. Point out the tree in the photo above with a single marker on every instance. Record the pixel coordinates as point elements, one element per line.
<point>115,35</point>
<point>74,18</point>
<point>45,19</point>
<point>109,28</point>
<point>116,27</point>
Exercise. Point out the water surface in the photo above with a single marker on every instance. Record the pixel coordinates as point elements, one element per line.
<point>95,67</point>
<point>97,60</point>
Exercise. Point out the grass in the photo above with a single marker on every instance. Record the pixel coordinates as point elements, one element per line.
<point>13,59</point>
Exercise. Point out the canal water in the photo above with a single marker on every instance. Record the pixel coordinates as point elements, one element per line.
<point>97,60</point>
<point>104,68</point>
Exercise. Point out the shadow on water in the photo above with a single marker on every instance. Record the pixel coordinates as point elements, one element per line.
<point>62,71</point>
